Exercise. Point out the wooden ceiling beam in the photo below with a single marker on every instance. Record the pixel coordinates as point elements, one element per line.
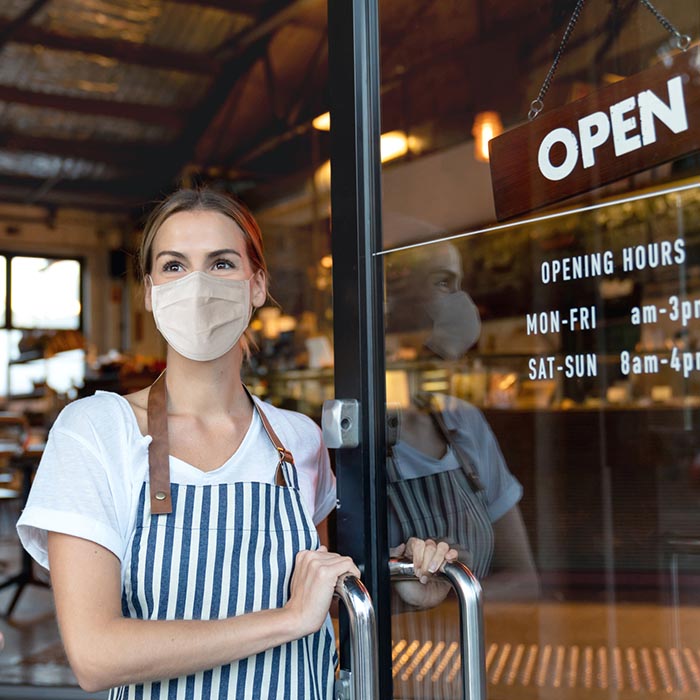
<point>282,13</point>
<point>466,52</point>
<point>238,57</point>
<point>244,8</point>
<point>151,114</point>
<point>117,153</point>
<point>91,195</point>
<point>120,50</point>
<point>10,29</point>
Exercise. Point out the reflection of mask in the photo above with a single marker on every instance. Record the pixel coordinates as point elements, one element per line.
<point>201,316</point>
<point>456,325</point>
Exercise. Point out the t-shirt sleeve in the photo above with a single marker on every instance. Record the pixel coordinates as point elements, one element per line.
<point>73,493</point>
<point>503,490</point>
<point>325,486</point>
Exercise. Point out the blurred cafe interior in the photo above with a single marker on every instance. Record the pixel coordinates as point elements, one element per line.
<point>581,366</point>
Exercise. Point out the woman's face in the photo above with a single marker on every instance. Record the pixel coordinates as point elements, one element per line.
<point>442,271</point>
<point>202,241</point>
<point>423,276</point>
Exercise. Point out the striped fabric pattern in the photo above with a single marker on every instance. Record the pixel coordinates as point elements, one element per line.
<point>443,506</point>
<point>226,550</point>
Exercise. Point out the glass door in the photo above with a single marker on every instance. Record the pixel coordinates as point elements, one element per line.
<point>540,377</point>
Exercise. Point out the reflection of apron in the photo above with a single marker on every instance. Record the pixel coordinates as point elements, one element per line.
<point>448,506</point>
<point>443,506</point>
<point>215,551</point>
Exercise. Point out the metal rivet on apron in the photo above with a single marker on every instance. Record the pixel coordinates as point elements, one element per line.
<point>160,495</point>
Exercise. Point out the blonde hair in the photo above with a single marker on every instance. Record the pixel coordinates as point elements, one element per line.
<point>205,199</point>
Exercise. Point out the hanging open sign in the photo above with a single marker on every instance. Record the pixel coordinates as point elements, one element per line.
<point>627,127</point>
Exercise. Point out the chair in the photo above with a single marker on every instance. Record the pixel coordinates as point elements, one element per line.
<point>14,432</point>
<point>26,463</point>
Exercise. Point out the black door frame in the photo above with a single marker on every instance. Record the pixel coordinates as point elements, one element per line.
<point>354,79</point>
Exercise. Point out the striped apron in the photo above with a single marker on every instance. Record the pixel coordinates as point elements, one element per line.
<point>215,551</point>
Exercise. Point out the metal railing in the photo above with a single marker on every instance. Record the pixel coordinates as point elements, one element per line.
<point>361,682</point>
<point>471,632</point>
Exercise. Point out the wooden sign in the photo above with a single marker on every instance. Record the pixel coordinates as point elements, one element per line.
<point>629,126</point>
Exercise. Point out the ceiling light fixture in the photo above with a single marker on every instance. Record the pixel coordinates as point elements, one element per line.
<point>322,122</point>
<point>487,125</point>
<point>393,144</point>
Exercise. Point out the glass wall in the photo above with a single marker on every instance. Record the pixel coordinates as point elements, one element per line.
<point>543,376</point>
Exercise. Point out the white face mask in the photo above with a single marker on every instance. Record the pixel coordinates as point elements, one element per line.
<point>456,325</point>
<point>201,316</point>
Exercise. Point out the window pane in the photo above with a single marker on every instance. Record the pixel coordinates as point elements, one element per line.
<point>45,293</point>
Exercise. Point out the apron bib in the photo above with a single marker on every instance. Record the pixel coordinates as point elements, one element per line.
<point>215,551</point>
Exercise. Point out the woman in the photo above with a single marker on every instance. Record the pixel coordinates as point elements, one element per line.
<point>447,477</point>
<point>180,522</point>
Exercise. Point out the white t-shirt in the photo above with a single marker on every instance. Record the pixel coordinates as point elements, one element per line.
<point>96,461</point>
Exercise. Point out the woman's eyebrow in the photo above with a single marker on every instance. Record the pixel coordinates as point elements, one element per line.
<point>172,254</point>
<point>224,251</point>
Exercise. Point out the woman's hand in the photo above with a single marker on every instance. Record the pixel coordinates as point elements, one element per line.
<point>428,557</point>
<point>315,575</point>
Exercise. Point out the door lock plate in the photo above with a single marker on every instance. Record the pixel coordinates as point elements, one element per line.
<point>343,686</point>
<point>340,423</point>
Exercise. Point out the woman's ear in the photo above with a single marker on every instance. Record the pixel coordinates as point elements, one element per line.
<point>258,289</point>
<point>147,284</point>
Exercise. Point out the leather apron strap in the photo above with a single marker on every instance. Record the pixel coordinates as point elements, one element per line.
<point>159,449</point>
<point>284,454</point>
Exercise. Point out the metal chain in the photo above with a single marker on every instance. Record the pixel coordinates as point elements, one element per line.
<point>537,105</point>
<point>682,40</point>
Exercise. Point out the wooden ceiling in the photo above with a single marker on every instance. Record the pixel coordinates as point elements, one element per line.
<point>107,104</point>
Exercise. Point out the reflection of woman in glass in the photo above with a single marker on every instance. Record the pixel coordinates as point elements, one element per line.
<point>448,480</point>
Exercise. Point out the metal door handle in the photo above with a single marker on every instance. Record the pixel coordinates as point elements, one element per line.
<point>361,682</point>
<point>471,634</point>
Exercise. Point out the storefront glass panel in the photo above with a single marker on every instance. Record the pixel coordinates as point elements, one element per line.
<point>557,358</point>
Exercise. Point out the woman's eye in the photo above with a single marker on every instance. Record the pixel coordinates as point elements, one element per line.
<point>223,265</point>
<point>172,266</point>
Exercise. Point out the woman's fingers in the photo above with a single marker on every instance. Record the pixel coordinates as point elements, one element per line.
<point>341,565</point>
<point>415,550</point>
<point>313,582</point>
<point>397,551</point>
<point>438,558</point>
<point>428,556</point>
<point>452,555</point>
<point>324,566</point>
